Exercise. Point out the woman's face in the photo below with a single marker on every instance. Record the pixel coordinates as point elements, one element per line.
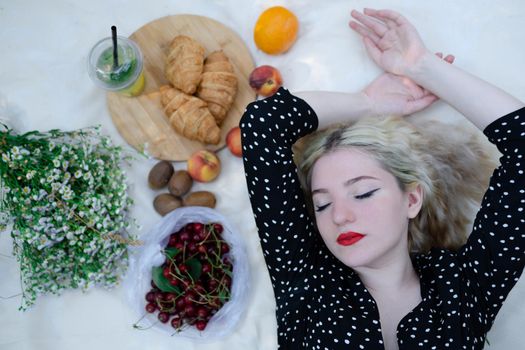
<point>361,212</point>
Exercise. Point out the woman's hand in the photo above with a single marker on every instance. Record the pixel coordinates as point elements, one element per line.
<point>391,94</point>
<point>390,39</point>
<point>388,94</point>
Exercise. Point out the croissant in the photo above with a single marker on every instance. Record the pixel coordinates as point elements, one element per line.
<point>218,85</point>
<point>189,115</point>
<point>184,63</point>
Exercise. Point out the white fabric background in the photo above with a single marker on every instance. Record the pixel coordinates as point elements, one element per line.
<point>44,84</point>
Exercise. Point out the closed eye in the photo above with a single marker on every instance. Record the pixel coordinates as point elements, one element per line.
<point>366,195</point>
<point>321,207</point>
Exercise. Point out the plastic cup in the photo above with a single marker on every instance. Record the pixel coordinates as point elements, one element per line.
<point>126,78</point>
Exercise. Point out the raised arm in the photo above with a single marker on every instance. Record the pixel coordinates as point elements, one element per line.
<point>387,95</point>
<point>269,128</point>
<point>493,258</point>
<point>395,46</point>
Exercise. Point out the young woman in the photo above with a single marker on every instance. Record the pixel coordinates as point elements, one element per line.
<point>383,262</point>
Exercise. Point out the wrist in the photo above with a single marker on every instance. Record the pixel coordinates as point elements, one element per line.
<point>368,105</point>
<point>420,68</point>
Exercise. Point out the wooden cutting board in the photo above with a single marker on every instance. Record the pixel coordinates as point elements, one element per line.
<point>141,120</point>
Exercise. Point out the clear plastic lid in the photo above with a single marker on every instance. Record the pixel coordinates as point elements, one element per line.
<point>108,75</point>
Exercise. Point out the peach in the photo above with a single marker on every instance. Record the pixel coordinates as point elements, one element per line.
<point>204,166</point>
<point>265,80</point>
<point>233,141</point>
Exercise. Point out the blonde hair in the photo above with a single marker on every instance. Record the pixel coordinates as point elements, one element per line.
<point>450,164</point>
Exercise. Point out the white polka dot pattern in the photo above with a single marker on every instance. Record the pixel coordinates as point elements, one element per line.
<point>322,304</point>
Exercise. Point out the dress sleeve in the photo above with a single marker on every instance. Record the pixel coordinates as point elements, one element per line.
<point>493,257</point>
<point>269,128</point>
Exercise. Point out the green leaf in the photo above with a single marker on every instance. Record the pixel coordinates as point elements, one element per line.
<point>224,295</point>
<point>171,252</point>
<point>194,268</point>
<point>228,272</point>
<point>162,282</point>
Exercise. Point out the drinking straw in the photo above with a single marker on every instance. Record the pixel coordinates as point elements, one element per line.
<point>115,51</point>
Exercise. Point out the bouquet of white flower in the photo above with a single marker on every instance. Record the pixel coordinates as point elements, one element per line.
<point>65,195</point>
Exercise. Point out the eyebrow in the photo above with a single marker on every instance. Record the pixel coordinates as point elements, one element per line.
<point>346,183</point>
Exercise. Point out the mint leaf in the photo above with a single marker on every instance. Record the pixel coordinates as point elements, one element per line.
<point>162,282</point>
<point>194,268</point>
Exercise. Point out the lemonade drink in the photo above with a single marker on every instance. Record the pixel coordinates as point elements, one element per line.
<point>127,76</point>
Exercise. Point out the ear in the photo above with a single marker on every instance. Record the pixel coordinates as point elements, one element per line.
<point>415,200</point>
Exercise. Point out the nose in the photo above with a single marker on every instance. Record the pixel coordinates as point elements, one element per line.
<point>342,212</point>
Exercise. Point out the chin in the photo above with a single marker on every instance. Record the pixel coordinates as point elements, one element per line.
<point>356,260</point>
<point>352,256</point>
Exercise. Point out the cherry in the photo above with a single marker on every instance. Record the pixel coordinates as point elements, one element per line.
<point>184,236</point>
<point>150,296</point>
<point>192,247</point>
<point>163,317</point>
<point>180,303</point>
<point>227,281</point>
<point>200,300</point>
<point>190,297</point>
<point>190,310</point>
<point>201,249</point>
<point>186,284</point>
<point>158,295</point>
<point>200,325</point>
<point>197,227</point>
<point>199,288</point>
<point>218,228</point>
<point>203,235</point>
<point>176,322</point>
<point>151,307</point>
<point>212,284</point>
<point>166,272</point>
<point>173,240</point>
<point>227,265</point>
<point>202,312</point>
<point>183,268</point>
<point>206,267</point>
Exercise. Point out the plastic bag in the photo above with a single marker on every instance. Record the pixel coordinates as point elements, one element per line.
<point>150,254</point>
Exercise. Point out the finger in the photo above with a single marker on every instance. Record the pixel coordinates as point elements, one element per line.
<point>373,51</point>
<point>397,18</point>
<point>376,26</point>
<point>420,104</point>
<point>374,13</point>
<point>427,93</point>
<point>364,32</point>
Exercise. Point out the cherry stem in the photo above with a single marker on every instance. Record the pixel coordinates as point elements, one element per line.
<point>208,235</point>
<point>136,325</point>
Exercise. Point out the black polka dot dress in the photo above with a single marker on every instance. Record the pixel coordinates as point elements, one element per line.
<point>321,303</point>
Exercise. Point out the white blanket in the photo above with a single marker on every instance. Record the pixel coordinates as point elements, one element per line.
<point>44,84</point>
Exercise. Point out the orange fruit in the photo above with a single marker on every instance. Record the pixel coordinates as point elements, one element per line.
<point>275,30</point>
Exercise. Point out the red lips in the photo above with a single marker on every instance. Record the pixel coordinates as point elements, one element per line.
<point>349,238</point>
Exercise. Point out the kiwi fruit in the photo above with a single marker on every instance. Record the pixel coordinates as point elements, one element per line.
<point>160,174</point>
<point>180,183</point>
<point>200,198</point>
<point>166,202</point>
